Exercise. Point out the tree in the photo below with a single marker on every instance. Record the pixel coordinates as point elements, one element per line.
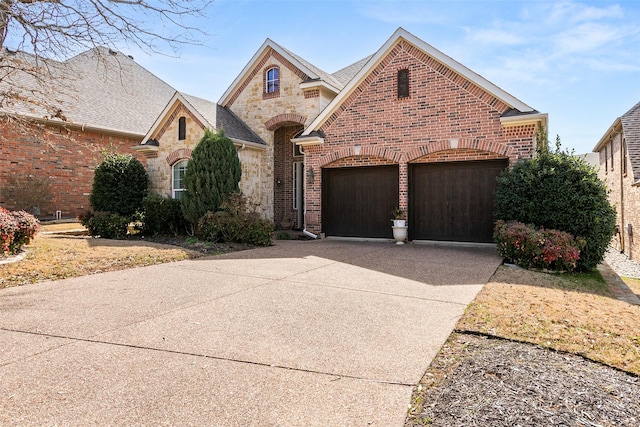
<point>559,191</point>
<point>120,183</point>
<point>212,173</point>
<point>43,32</point>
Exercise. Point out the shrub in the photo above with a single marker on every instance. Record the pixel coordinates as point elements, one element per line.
<point>29,193</point>
<point>108,225</point>
<point>529,247</point>
<point>162,215</point>
<point>233,223</point>
<point>28,226</point>
<point>561,192</point>
<point>16,230</point>
<point>119,185</point>
<point>212,173</point>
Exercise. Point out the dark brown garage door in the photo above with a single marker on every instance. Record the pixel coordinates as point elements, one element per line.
<point>357,202</point>
<point>453,201</point>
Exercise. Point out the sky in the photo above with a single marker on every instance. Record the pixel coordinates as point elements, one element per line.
<point>578,61</point>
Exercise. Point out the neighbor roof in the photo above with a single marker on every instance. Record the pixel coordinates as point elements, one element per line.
<point>631,131</point>
<point>99,88</point>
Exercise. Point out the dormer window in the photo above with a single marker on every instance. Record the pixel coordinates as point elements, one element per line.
<point>403,83</point>
<point>182,128</point>
<point>272,83</point>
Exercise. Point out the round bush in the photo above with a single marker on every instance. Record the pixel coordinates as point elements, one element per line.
<point>119,185</point>
<point>562,192</point>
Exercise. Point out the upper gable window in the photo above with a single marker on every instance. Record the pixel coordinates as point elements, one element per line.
<point>272,80</point>
<point>403,83</point>
<point>182,128</point>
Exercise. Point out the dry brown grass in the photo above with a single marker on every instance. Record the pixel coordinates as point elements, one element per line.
<point>633,284</point>
<point>54,257</point>
<point>568,313</point>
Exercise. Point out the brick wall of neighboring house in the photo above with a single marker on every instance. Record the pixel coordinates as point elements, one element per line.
<point>65,158</point>
<point>622,195</point>
<point>264,115</point>
<point>446,117</point>
<point>171,150</point>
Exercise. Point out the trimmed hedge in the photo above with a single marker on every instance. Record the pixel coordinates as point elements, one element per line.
<point>530,247</point>
<point>163,215</point>
<point>107,225</point>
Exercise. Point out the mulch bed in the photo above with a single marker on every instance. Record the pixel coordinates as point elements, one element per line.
<point>199,246</point>
<point>481,381</point>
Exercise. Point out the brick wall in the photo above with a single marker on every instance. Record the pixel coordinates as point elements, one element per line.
<point>65,158</point>
<point>622,195</point>
<point>445,118</point>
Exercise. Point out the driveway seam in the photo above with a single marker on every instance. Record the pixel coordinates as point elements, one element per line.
<point>205,356</point>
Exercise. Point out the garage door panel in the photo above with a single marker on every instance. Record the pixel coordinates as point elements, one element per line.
<point>357,202</point>
<point>454,200</point>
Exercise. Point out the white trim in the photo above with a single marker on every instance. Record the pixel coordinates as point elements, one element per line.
<point>319,84</point>
<point>240,143</point>
<point>308,141</point>
<point>399,34</point>
<point>525,119</point>
<point>177,97</point>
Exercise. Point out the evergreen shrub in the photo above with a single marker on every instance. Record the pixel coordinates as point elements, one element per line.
<point>162,215</point>
<point>561,192</point>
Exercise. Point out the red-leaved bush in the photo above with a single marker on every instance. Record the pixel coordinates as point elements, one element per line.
<point>16,230</point>
<point>530,247</point>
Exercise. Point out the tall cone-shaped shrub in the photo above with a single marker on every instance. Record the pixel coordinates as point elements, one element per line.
<point>213,172</point>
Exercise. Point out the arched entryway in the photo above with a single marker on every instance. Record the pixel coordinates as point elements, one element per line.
<point>288,197</point>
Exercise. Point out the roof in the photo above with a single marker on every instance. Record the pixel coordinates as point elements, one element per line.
<point>631,130</point>
<point>372,62</point>
<point>212,115</point>
<point>344,75</point>
<point>99,88</point>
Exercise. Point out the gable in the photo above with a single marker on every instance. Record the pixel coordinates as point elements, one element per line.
<point>474,84</point>
<point>440,101</point>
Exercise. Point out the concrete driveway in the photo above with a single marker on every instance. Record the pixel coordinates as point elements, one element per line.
<point>323,333</point>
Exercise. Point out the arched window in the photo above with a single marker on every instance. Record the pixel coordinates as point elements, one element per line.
<point>182,128</point>
<point>179,169</point>
<point>272,82</point>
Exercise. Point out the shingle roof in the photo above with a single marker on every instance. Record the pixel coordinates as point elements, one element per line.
<point>329,78</point>
<point>100,88</point>
<point>344,75</point>
<point>218,117</point>
<point>631,129</point>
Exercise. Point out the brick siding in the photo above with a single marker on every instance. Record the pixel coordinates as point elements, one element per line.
<point>66,158</point>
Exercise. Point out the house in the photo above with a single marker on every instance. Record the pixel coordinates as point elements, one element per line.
<point>108,102</point>
<point>619,167</point>
<point>406,127</point>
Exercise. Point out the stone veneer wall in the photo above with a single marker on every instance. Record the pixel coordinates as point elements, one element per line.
<point>65,157</point>
<point>172,150</point>
<point>251,107</point>
<point>446,117</point>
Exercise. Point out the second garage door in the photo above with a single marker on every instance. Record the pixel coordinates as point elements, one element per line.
<point>357,202</point>
<point>453,201</point>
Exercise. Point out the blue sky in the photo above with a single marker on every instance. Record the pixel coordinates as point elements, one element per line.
<point>579,61</point>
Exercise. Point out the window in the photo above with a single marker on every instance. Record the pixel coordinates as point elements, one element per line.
<point>179,170</point>
<point>273,80</point>
<point>403,83</point>
<point>611,155</point>
<point>182,128</point>
<point>606,158</point>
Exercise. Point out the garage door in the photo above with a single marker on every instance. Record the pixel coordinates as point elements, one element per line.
<point>357,202</point>
<point>453,201</point>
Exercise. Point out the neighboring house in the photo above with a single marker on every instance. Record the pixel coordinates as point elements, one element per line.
<point>619,153</point>
<point>103,100</point>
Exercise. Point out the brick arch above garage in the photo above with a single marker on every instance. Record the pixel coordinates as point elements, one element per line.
<point>365,155</point>
<point>461,148</point>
